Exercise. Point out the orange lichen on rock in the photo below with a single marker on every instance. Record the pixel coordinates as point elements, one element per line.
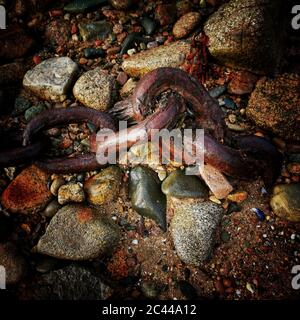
<point>85,215</point>
<point>28,192</point>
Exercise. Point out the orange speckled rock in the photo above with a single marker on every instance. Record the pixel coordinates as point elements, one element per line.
<point>186,24</point>
<point>28,192</point>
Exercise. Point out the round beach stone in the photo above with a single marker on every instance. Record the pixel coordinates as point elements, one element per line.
<point>193,229</point>
<point>104,187</point>
<point>79,232</point>
<point>95,89</point>
<point>285,201</point>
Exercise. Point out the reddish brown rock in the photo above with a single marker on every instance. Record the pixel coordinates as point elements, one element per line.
<point>165,14</point>
<point>275,105</point>
<point>28,192</point>
<point>122,78</point>
<point>186,24</point>
<point>243,82</point>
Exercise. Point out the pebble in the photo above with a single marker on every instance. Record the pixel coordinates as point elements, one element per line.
<point>285,201</point>
<point>131,52</point>
<point>180,185</point>
<point>13,262</point>
<point>193,229</point>
<point>217,91</point>
<point>95,30</point>
<point>149,25</point>
<point>56,184</point>
<point>51,209</point>
<point>238,196</point>
<point>34,111</point>
<point>113,50</point>
<point>79,232</point>
<point>275,105</point>
<point>118,28</point>
<point>236,127</point>
<point>104,187</point>
<point>143,46</point>
<point>95,89</point>
<point>243,82</point>
<point>152,44</point>
<point>75,37</point>
<point>91,53</point>
<point>233,207</point>
<point>172,55</point>
<point>73,282</point>
<point>260,215</point>
<point>83,61</point>
<point>52,78</point>
<point>257,46</point>
<point>216,181</point>
<point>230,104</point>
<point>28,192</point>
<point>57,34</point>
<point>294,168</point>
<point>70,193</point>
<point>146,196</point>
<point>186,24</point>
<point>214,199</point>
<point>165,14</point>
<point>249,287</point>
<point>21,105</point>
<point>122,78</point>
<point>232,118</point>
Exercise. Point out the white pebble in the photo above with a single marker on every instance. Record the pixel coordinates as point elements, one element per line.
<point>131,52</point>
<point>135,241</point>
<point>75,37</point>
<point>293,236</point>
<point>152,44</point>
<point>249,287</point>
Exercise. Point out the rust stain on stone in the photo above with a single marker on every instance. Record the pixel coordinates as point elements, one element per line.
<point>85,215</point>
<point>28,192</point>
